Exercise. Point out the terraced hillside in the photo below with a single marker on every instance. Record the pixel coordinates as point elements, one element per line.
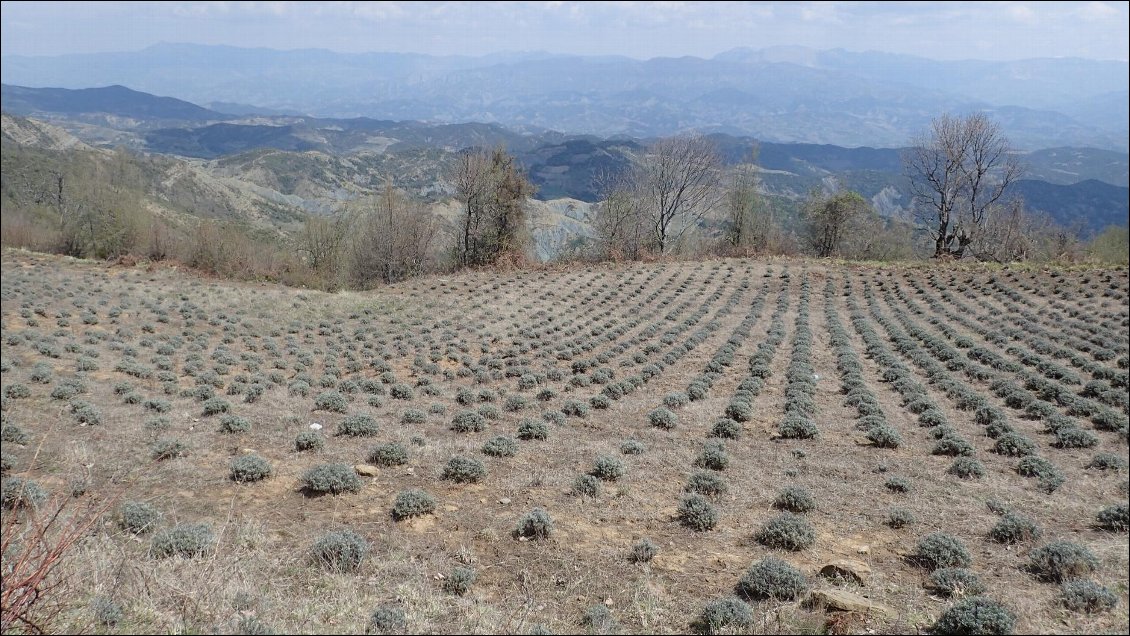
<point>728,446</point>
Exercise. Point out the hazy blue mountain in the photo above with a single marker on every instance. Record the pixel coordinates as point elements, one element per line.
<point>249,110</point>
<point>1091,205</point>
<point>782,94</point>
<point>109,100</point>
<point>1043,83</point>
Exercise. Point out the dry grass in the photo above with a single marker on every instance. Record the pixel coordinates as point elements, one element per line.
<point>260,569</point>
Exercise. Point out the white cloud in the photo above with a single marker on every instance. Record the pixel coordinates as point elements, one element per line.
<point>1098,11</point>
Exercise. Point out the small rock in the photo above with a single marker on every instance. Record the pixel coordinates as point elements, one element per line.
<point>863,549</point>
<point>367,470</point>
<point>847,602</point>
<point>504,500</point>
<point>248,451</point>
<point>849,569</point>
<point>608,602</point>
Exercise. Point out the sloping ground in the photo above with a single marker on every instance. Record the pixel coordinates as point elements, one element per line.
<point>149,385</point>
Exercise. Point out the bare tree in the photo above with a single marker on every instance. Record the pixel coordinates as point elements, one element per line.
<point>493,191</point>
<point>959,173</point>
<point>621,229</point>
<point>321,241</point>
<point>393,239</point>
<point>472,179</point>
<point>749,217</point>
<point>830,218</point>
<point>678,183</point>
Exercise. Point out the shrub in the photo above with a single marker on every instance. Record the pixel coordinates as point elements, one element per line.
<point>713,456</point>
<point>956,582</point>
<point>390,454</point>
<point>17,492</point>
<point>967,468</point>
<point>932,417</point>
<point>340,551</point>
<point>158,405</point>
<point>1107,461</point>
<point>462,470</point>
<point>787,532</point>
<point>643,551</point>
<point>138,517</point>
<point>330,401</point>
<point>309,441</point>
<point>600,402</point>
<point>1060,561</point>
<point>721,614</point>
<point>976,615</point>
<point>168,449</point>
<point>607,468</point>
<point>632,447</point>
<point>1014,445</point>
<point>332,478</point>
<point>1087,596</point>
<point>697,513</point>
<point>797,427</point>
<point>554,417</point>
<point>599,620</point>
<point>535,524</point>
<point>1114,518</point>
<point>739,410</point>
<point>532,429</point>
<point>468,422</point>
<point>186,540</point>
<point>14,434</point>
<point>794,499</point>
<point>772,578</point>
<point>17,391</point>
<point>726,428</point>
<point>1075,437</point>
<point>953,446</point>
<point>401,391</point>
<point>387,619</point>
<point>412,503</point>
<point>663,418</point>
<point>1013,528</point>
<point>500,446</point>
<point>234,424</point>
<point>85,413</point>
<point>883,436</point>
<point>574,408</point>
<point>248,468</point>
<point>358,425</point>
<point>1050,478</point>
<point>215,406</point>
<point>899,518</point>
<point>704,483</point>
<point>413,416</point>
<point>106,612</point>
<point>586,486</point>
<point>940,550</point>
<point>897,484</point>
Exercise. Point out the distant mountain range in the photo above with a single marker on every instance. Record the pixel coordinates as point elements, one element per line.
<point>782,94</point>
<point>316,165</point>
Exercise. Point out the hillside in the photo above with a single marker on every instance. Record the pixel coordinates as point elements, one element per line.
<point>34,154</point>
<point>263,167</point>
<point>526,450</point>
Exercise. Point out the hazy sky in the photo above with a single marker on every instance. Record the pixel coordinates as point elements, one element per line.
<point>989,30</point>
